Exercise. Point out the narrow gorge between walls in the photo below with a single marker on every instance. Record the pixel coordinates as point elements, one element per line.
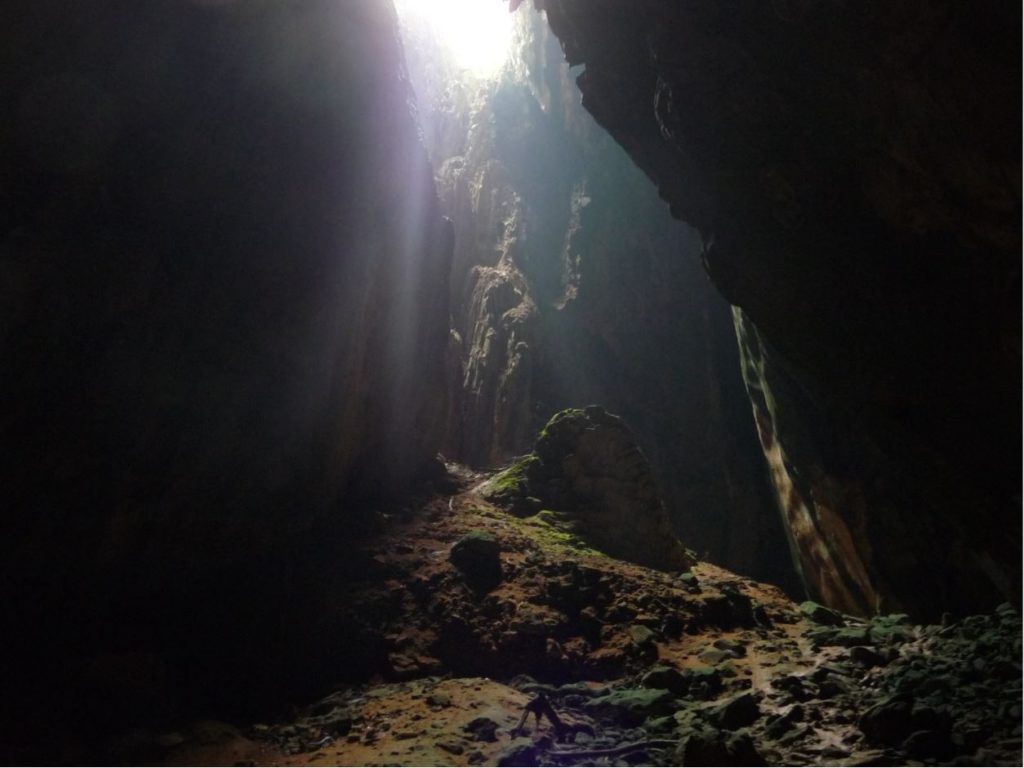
<point>511,382</point>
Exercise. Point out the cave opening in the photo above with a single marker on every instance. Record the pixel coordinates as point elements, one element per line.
<point>572,285</point>
<point>447,382</point>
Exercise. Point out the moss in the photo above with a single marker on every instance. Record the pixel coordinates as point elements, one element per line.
<point>548,530</point>
<point>554,421</point>
<point>514,481</point>
<point>560,520</point>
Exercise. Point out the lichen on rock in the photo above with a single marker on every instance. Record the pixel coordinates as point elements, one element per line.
<point>587,468</point>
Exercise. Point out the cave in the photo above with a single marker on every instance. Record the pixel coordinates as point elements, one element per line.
<point>507,382</point>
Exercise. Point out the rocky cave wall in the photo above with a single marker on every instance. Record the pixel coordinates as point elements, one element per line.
<point>572,284</point>
<point>854,171</point>
<point>225,311</point>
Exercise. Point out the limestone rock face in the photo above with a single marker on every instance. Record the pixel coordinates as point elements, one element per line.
<point>225,307</point>
<point>494,394</point>
<point>231,307</point>
<point>588,469</point>
<point>859,200</point>
<point>571,283</point>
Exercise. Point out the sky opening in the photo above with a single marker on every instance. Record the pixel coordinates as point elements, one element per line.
<point>477,33</point>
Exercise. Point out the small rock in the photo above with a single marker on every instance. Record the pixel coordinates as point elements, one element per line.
<point>477,556</point>
<point>795,686</point>
<point>924,718</point>
<point>796,735</point>
<point>672,625</point>
<point>735,649</point>
<point>705,682</point>
<point>712,747</point>
<point>666,678</point>
<point>727,669</point>
<point>689,581</point>
<point>713,656</point>
<point>1006,609</point>
<point>780,724</point>
<point>521,751</point>
<point>890,633</point>
<point>928,745</point>
<point>482,729</point>
<point>453,747</point>
<point>832,686</point>
<point>867,657</point>
<point>888,722</point>
<point>641,636</point>
<point>736,712</point>
<point>661,725</point>
<point>631,706</point>
<point>844,636</point>
<point>834,752</point>
<point>820,614</point>
<point>439,700</point>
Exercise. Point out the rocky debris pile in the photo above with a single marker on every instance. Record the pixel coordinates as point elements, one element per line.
<point>952,692</point>
<point>887,690</point>
<point>553,615</point>
<point>910,694</point>
<point>469,589</point>
<point>639,667</point>
<point>586,467</point>
<point>430,721</point>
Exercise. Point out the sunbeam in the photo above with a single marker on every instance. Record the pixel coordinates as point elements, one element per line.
<point>477,33</point>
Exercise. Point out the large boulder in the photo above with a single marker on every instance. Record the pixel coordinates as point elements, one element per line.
<point>587,466</point>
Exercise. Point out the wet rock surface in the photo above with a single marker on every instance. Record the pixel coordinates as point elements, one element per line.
<point>562,626</point>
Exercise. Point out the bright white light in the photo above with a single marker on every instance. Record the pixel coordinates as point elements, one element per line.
<point>477,32</point>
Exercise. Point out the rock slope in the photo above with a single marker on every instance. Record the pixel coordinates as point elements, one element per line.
<point>640,667</point>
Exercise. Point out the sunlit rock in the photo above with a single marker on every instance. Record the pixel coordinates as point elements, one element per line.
<point>587,469</point>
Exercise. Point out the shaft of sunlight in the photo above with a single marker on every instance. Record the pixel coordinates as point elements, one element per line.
<point>477,33</point>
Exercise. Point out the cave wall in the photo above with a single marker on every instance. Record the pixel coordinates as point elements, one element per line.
<point>572,284</point>
<point>225,306</point>
<point>854,171</point>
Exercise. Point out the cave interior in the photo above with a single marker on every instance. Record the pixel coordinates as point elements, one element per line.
<point>504,382</point>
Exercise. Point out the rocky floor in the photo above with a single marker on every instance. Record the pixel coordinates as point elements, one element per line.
<point>471,616</point>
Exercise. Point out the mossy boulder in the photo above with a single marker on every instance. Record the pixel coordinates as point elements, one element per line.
<point>587,469</point>
<point>510,487</point>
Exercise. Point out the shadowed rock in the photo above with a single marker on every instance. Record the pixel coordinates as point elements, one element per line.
<point>476,557</point>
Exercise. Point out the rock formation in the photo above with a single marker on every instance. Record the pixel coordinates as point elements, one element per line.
<point>854,173</point>
<point>588,476</point>
<point>225,311</point>
<point>578,657</point>
<point>572,284</point>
